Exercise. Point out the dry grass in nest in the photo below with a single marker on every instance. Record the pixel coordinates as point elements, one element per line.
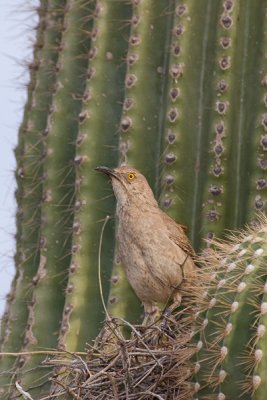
<point>152,364</point>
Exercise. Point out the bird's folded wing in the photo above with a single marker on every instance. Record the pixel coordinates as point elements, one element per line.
<point>177,235</point>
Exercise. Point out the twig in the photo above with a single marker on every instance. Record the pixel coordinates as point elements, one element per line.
<point>24,394</point>
<point>140,337</point>
<point>145,375</point>
<point>68,390</point>
<point>101,372</point>
<point>99,267</point>
<point>157,396</point>
<point>44,352</point>
<point>113,385</point>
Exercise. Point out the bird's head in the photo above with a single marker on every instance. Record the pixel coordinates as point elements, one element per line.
<point>129,185</point>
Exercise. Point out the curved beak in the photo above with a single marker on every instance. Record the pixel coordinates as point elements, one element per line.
<point>106,171</point>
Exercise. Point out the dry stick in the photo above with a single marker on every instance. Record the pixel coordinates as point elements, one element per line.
<point>47,352</point>
<point>85,365</point>
<point>68,390</point>
<point>157,396</point>
<point>125,364</point>
<point>102,371</point>
<point>99,267</point>
<point>24,394</point>
<point>100,383</point>
<point>145,375</point>
<point>99,277</point>
<point>140,337</point>
<point>113,385</point>
<point>50,396</point>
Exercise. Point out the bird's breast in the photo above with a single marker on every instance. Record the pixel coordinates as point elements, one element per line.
<point>151,260</point>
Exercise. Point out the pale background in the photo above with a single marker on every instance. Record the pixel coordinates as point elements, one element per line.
<point>16,36</point>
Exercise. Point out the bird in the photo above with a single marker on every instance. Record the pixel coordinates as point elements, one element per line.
<point>155,252</point>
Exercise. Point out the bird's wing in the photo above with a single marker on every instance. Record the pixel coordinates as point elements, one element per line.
<point>177,234</point>
<point>184,228</point>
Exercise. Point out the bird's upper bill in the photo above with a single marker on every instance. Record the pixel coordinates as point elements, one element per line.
<point>106,170</point>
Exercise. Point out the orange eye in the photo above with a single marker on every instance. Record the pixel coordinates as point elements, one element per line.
<point>131,176</point>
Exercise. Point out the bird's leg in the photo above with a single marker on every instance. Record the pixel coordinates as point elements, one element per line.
<point>165,325</point>
<point>177,299</point>
<point>151,313</point>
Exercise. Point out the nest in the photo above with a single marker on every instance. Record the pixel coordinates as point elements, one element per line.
<point>153,363</point>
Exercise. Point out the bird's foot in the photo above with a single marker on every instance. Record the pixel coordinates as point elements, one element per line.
<point>167,323</point>
<point>168,319</point>
<point>151,316</point>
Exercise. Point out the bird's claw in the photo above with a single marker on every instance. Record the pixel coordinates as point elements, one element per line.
<point>151,316</point>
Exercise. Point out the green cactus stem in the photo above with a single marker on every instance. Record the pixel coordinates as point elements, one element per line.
<point>230,360</point>
<point>213,115</point>
<point>29,176</point>
<point>57,203</point>
<point>142,117</point>
<point>96,143</point>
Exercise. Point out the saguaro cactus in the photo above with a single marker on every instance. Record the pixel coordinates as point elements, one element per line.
<point>231,357</point>
<point>174,88</point>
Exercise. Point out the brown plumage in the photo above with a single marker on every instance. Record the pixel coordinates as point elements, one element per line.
<point>153,248</point>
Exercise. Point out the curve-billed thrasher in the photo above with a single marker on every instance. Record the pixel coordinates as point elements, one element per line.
<point>153,248</point>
